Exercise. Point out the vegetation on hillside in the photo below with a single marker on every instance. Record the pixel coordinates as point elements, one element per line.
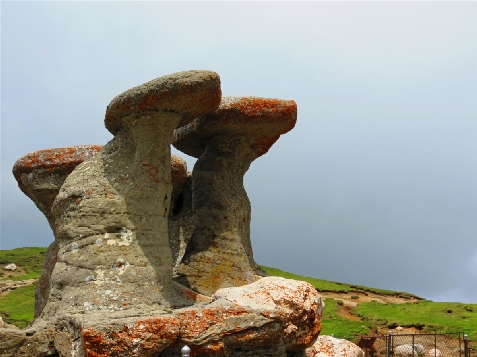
<point>29,261</point>
<point>427,316</point>
<point>330,286</point>
<point>17,307</point>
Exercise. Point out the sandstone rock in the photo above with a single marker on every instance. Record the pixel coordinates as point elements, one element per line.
<point>11,266</point>
<point>296,304</point>
<point>111,291</point>
<point>10,341</point>
<point>219,253</point>
<point>327,346</point>
<point>111,212</point>
<point>40,174</point>
<point>190,93</point>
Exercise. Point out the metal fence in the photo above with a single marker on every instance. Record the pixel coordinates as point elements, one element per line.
<point>414,345</point>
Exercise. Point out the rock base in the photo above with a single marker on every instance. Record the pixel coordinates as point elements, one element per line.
<point>273,317</point>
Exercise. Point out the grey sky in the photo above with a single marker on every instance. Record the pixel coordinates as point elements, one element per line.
<point>377,183</point>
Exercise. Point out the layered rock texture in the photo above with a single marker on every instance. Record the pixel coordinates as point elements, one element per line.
<point>130,215</point>
<point>219,253</point>
<point>40,175</point>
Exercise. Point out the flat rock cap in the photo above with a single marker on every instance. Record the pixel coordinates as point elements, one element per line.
<point>190,93</point>
<point>262,120</point>
<point>58,161</point>
<point>54,160</point>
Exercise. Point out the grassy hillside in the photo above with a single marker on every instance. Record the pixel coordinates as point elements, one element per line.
<point>331,286</point>
<point>423,315</point>
<point>364,318</point>
<point>29,261</point>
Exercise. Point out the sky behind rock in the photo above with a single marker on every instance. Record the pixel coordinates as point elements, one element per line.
<point>377,183</point>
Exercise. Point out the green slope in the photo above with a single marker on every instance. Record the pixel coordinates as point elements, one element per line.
<point>17,306</point>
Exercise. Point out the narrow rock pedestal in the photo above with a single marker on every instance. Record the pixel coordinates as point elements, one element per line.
<point>219,253</point>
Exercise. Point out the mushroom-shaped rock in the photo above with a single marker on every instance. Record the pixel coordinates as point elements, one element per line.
<point>219,253</point>
<point>111,213</point>
<point>40,175</point>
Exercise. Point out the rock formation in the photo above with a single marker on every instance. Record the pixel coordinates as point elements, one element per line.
<point>219,253</point>
<point>111,291</point>
<point>40,175</point>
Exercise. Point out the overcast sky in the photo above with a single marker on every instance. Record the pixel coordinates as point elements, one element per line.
<point>377,183</point>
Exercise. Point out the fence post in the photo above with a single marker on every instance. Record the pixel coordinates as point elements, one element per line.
<point>389,344</point>
<point>185,351</point>
<point>466,346</point>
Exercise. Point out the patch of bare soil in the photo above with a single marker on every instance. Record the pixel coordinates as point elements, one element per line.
<point>6,286</point>
<point>352,299</point>
<point>8,274</point>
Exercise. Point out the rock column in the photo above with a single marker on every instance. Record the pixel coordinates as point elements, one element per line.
<point>40,175</point>
<point>111,213</point>
<point>219,253</point>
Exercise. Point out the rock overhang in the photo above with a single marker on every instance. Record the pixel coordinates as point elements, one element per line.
<point>190,94</point>
<point>260,120</point>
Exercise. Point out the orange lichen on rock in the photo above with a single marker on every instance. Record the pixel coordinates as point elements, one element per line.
<point>189,93</point>
<point>60,159</point>
<point>261,120</point>
<point>144,337</point>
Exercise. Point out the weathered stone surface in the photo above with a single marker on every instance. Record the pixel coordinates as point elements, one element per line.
<point>111,292</point>
<point>327,346</point>
<point>111,213</point>
<point>219,253</point>
<point>190,94</point>
<point>260,120</point>
<point>10,341</point>
<point>178,175</point>
<point>15,343</point>
<point>40,174</point>
<point>296,304</point>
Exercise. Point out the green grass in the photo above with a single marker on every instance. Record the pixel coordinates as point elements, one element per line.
<point>341,327</point>
<point>430,316</point>
<point>330,286</point>
<point>29,260</point>
<point>17,307</point>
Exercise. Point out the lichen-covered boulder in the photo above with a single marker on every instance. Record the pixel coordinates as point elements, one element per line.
<point>296,304</point>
